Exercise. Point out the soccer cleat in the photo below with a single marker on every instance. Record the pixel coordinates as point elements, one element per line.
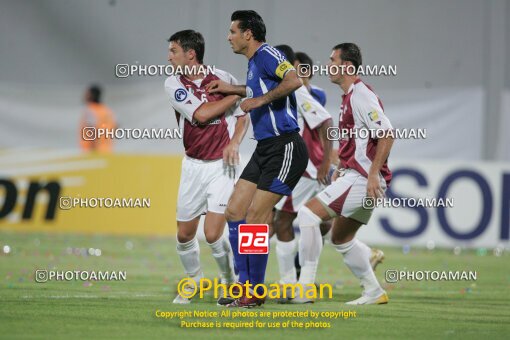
<point>376,257</point>
<point>287,293</point>
<point>246,302</point>
<point>368,300</point>
<point>179,300</point>
<point>297,299</point>
<point>226,300</point>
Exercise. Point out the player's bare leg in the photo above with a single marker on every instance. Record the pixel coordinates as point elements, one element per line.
<point>357,257</point>
<point>240,200</point>
<point>283,225</point>
<point>188,250</point>
<point>262,206</point>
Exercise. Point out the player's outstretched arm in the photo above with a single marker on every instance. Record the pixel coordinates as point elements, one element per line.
<point>208,111</point>
<point>289,83</point>
<point>382,152</point>
<point>219,86</point>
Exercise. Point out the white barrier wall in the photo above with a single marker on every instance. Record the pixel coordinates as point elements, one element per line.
<point>480,216</point>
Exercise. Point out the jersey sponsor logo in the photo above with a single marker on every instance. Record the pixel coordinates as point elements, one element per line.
<point>214,121</point>
<point>373,115</point>
<point>253,239</point>
<point>180,95</point>
<point>306,106</point>
<point>283,68</point>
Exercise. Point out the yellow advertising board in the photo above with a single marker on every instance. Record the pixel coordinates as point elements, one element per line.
<point>90,193</point>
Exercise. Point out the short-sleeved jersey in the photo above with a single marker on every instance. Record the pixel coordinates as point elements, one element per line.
<point>319,94</point>
<point>311,115</point>
<point>201,141</point>
<point>266,69</point>
<point>361,109</point>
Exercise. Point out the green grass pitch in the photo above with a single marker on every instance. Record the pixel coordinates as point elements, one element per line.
<point>76,309</point>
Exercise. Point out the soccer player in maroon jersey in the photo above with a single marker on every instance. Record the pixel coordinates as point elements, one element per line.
<point>213,128</point>
<point>362,173</point>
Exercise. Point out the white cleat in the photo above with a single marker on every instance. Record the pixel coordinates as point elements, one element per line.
<point>369,300</point>
<point>300,300</point>
<point>188,292</point>
<point>376,257</point>
<point>179,300</point>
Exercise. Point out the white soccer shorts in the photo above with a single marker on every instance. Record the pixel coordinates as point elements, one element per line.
<point>205,186</point>
<point>345,196</point>
<point>304,191</point>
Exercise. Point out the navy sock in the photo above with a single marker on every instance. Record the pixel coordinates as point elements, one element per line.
<point>258,264</point>
<point>240,260</point>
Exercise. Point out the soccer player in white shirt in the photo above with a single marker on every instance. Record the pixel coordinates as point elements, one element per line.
<point>363,172</point>
<point>213,127</point>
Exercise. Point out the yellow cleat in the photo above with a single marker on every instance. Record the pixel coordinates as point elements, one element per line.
<point>368,300</point>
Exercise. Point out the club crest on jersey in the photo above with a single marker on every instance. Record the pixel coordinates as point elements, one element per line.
<point>373,115</point>
<point>249,92</point>
<point>250,75</point>
<point>180,95</point>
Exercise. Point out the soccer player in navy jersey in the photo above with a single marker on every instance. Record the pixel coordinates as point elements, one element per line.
<point>280,158</point>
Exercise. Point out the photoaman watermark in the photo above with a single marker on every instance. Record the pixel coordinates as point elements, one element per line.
<point>189,287</point>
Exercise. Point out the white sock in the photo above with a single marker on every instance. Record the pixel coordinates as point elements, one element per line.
<point>285,253</point>
<point>310,244</point>
<point>189,254</point>
<point>357,258</point>
<point>223,255</point>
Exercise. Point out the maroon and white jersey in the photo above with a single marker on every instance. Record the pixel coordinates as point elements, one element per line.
<point>311,115</point>
<point>202,141</point>
<point>361,110</point>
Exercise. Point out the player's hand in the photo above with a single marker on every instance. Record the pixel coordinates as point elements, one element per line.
<point>334,176</point>
<point>322,174</point>
<point>374,187</point>
<point>250,104</point>
<point>231,154</point>
<point>218,86</point>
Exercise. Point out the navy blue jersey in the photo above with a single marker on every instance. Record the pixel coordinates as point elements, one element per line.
<point>319,94</point>
<point>266,69</point>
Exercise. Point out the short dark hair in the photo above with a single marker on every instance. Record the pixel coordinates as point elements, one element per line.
<point>95,92</point>
<point>288,52</point>
<point>350,52</point>
<point>251,20</point>
<point>190,40</point>
<point>304,58</point>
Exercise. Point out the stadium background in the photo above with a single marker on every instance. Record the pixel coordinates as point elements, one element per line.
<point>453,79</point>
